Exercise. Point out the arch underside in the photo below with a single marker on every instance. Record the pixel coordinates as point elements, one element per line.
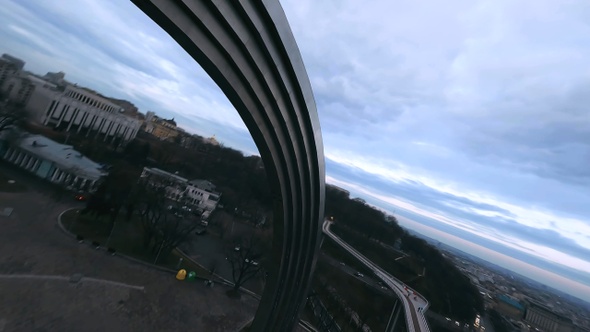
<point>248,49</point>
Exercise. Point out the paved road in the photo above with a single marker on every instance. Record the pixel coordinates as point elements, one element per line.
<point>378,285</point>
<point>208,250</point>
<point>412,301</point>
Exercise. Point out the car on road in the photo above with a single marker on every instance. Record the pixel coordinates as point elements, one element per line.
<point>237,248</point>
<point>358,274</point>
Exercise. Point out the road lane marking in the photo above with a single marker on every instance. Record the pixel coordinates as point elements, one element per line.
<point>65,278</point>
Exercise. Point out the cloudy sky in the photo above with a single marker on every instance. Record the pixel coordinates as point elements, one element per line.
<point>468,119</point>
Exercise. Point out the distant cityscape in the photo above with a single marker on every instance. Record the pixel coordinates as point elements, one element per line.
<point>525,305</point>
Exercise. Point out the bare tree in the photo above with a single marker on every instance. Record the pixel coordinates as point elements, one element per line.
<point>164,228</point>
<point>244,257</point>
<point>173,230</point>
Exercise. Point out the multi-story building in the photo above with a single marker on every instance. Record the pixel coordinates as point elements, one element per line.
<point>56,78</point>
<point>57,163</point>
<point>546,320</point>
<point>72,108</point>
<point>18,87</point>
<point>9,66</point>
<point>200,194</point>
<point>52,101</point>
<point>164,129</point>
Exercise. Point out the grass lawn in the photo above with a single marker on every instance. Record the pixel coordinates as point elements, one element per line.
<point>7,186</point>
<point>125,239</point>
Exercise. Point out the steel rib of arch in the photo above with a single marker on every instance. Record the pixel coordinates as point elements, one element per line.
<point>248,49</point>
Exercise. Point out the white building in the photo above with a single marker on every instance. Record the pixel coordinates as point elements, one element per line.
<point>202,193</point>
<point>81,110</point>
<point>197,193</point>
<point>52,101</point>
<point>57,163</point>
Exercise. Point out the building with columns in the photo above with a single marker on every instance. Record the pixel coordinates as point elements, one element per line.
<point>52,101</point>
<point>57,163</point>
<point>72,108</point>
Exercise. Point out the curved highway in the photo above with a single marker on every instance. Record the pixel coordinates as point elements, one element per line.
<point>414,304</point>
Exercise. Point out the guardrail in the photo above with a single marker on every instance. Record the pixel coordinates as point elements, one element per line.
<point>376,270</point>
<point>395,284</point>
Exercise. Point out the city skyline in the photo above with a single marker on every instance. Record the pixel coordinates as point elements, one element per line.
<point>462,118</point>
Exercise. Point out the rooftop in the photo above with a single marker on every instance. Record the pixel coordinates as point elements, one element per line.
<point>203,184</point>
<point>510,301</point>
<point>63,155</point>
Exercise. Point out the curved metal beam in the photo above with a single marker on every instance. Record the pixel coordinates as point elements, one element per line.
<point>249,50</point>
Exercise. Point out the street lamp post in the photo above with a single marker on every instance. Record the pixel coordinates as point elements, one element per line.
<point>159,251</point>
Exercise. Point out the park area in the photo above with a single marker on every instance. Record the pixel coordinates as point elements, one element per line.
<point>49,281</point>
<point>124,237</point>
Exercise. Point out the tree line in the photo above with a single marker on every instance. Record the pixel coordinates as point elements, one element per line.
<point>243,182</point>
<point>448,290</point>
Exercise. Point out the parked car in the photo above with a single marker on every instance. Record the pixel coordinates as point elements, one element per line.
<point>251,262</point>
<point>358,274</point>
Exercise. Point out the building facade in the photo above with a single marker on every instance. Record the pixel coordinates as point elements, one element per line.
<point>202,194</point>
<point>57,163</point>
<point>82,111</point>
<point>9,66</point>
<point>546,320</point>
<point>52,101</point>
<point>18,87</point>
<point>164,129</point>
<point>199,194</point>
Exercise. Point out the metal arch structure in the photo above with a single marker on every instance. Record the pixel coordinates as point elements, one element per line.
<point>248,49</point>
